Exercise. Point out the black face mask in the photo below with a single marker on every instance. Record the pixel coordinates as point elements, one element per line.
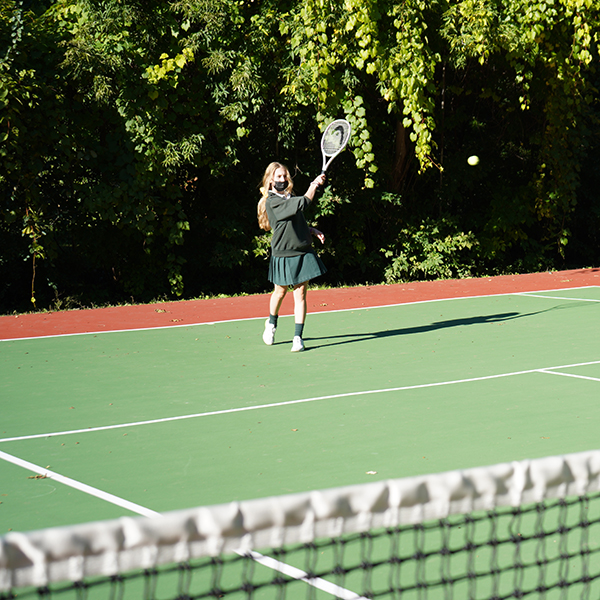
<point>280,185</point>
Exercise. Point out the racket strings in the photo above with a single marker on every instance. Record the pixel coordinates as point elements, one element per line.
<point>335,138</point>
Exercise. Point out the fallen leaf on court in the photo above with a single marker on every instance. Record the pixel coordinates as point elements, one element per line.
<point>176,320</point>
<point>38,476</point>
<point>294,430</point>
<point>545,438</point>
<point>159,310</point>
<point>371,472</point>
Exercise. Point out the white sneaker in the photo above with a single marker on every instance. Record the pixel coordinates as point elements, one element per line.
<point>269,333</point>
<point>297,344</point>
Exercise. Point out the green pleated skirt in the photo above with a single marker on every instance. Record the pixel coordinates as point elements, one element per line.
<point>292,270</point>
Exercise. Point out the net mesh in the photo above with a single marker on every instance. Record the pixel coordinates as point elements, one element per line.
<point>335,137</point>
<point>524,529</point>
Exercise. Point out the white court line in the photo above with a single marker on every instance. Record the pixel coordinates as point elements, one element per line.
<point>318,312</point>
<point>298,574</point>
<point>291,402</point>
<point>532,295</point>
<point>82,487</point>
<point>552,372</point>
<point>266,561</point>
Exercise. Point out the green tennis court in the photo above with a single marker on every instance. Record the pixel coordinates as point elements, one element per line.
<point>96,426</point>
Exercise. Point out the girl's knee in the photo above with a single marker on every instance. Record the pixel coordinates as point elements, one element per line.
<point>279,291</point>
<point>301,290</point>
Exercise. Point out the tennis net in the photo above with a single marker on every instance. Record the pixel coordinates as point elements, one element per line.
<point>514,530</point>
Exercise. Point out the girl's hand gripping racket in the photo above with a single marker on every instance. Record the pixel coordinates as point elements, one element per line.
<point>334,140</point>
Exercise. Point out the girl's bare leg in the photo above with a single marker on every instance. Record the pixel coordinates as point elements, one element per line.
<point>300,292</point>
<point>276,299</point>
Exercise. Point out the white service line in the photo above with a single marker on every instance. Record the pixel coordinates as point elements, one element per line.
<point>298,574</point>
<point>553,372</point>
<point>291,402</point>
<point>266,561</point>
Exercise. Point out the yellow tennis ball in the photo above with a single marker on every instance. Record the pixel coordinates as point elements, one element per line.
<point>473,160</point>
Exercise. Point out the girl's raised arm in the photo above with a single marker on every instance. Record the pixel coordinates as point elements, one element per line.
<point>310,193</point>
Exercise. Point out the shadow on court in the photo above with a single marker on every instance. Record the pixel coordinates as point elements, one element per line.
<point>350,338</point>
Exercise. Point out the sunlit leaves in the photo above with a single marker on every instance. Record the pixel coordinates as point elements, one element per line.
<point>383,40</point>
<point>169,68</point>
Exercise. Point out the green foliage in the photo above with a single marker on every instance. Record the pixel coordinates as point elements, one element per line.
<point>433,250</point>
<point>133,136</point>
<point>339,47</point>
<point>546,47</point>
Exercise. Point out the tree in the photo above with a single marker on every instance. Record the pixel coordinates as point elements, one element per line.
<point>134,135</point>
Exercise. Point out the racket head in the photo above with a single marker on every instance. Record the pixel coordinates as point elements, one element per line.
<point>334,139</point>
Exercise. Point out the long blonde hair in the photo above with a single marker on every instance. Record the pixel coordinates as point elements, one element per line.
<point>263,219</point>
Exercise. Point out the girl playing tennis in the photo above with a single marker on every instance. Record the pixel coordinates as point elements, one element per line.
<point>293,260</point>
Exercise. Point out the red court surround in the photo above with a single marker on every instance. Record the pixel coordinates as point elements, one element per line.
<point>184,312</point>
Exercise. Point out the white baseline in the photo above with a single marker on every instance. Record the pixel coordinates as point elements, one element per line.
<point>318,312</point>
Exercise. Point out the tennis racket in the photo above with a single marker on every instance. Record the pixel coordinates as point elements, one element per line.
<point>334,140</point>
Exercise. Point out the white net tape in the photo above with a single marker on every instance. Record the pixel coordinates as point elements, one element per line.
<point>106,548</point>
